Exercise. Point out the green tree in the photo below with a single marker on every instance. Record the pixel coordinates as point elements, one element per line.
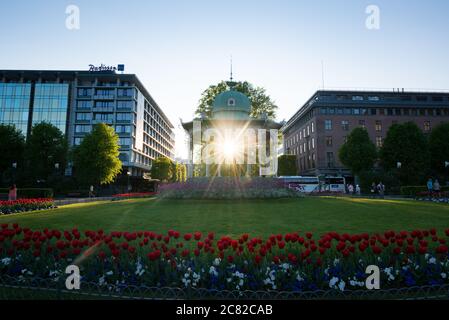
<point>407,144</point>
<point>12,148</point>
<point>260,101</point>
<point>46,147</point>
<point>358,153</point>
<point>439,148</point>
<point>287,165</point>
<point>96,160</point>
<point>163,169</point>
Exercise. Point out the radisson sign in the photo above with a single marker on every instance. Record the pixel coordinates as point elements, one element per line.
<point>102,67</point>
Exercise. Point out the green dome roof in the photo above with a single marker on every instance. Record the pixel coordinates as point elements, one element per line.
<point>231,105</point>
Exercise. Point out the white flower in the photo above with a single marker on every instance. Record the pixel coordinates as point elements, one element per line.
<point>432,260</point>
<point>217,261</point>
<point>341,285</point>
<point>6,261</point>
<point>336,261</point>
<point>241,283</point>
<point>443,275</point>
<point>332,282</point>
<point>109,273</point>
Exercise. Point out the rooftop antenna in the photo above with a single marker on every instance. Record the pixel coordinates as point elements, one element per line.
<point>232,79</point>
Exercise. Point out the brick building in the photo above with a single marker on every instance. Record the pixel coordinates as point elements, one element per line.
<point>319,128</point>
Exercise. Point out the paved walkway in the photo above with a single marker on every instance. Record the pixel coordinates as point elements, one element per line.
<point>63,202</point>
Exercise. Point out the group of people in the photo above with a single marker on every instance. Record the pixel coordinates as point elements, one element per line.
<point>377,189</point>
<point>353,190</point>
<point>433,187</point>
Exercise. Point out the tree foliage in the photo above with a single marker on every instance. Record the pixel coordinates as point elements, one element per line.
<point>96,159</point>
<point>439,148</point>
<point>260,101</point>
<point>46,146</point>
<point>407,144</point>
<point>162,169</point>
<point>287,165</point>
<point>358,153</point>
<point>12,148</point>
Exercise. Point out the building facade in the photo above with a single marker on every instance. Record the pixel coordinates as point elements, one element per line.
<point>317,131</point>
<point>76,100</point>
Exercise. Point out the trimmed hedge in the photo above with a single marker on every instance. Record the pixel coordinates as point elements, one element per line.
<point>31,193</point>
<point>412,191</point>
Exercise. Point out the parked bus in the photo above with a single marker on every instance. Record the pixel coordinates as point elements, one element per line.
<point>302,184</point>
<point>335,184</point>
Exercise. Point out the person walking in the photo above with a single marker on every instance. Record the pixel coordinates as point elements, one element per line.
<point>91,191</point>
<point>381,190</point>
<point>437,186</point>
<point>12,194</point>
<point>373,190</point>
<point>430,186</point>
<point>351,189</point>
<point>358,191</point>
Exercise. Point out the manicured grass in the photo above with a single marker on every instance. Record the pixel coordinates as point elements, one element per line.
<point>256,217</point>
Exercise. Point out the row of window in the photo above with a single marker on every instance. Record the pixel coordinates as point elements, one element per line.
<point>305,132</point>
<point>385,111</point>
<point>86,116</point>
<point>345,97</point>
<point>88,104</point>
<point>328,125</point>
<point>87,92</point>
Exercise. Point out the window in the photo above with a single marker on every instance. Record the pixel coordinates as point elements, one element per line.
<point>104,116</point>
<point>328,124</point>
<point>104,92</point>
<point>313,143</point>
<point>373,98</point>
<point>329,141</point>
<point>124,141</point>
<point>123,129</point>
<point>373,111</point>
<point>378,125</point>
<point>357,98</point>
<point>83,116</point>
<point>356,111</point>
<point>84,92</point>
<point>125,92</point>
<point>345,125</point>
<point>362,123</point>
<point>231,102</point>
<point>82,128</point>
<point>427,126</point>
<point>313,127</point>
<point>124,117</point>
<point>84,104</point>
<point>125,104</point>
<point>379,142</point>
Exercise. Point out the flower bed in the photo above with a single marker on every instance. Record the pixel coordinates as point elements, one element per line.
<point>438,197</point>
<point>292,262</point>
<point>134,195</point>
<point>227,188</point>
<point>23,205</point>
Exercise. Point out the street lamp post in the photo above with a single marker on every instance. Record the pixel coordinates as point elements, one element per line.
<point>128,173</point>
<point>14,168</point>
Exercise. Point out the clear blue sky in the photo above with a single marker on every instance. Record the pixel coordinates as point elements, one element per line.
<point>178,48</point>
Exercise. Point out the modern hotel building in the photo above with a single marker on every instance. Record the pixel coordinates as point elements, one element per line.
<point>75,100</point>
<point>319,128</point>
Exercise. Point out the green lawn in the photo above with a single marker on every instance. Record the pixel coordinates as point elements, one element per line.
<point>257,217</point>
